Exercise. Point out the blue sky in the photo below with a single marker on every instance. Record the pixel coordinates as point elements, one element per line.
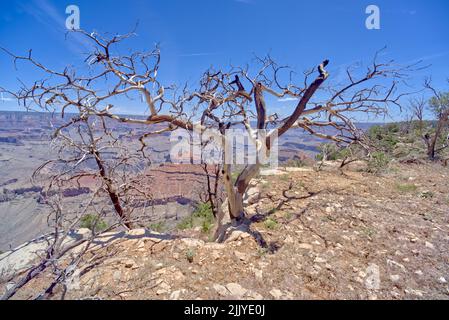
<point>197,34</point>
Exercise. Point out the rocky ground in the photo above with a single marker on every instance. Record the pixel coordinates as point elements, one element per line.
<point>311,235</point>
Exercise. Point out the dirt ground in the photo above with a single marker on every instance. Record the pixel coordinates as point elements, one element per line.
<point>337,236</point>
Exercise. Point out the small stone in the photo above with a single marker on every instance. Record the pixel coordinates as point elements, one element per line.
<point>320,260</point>
<point>141,245</point>
<point>158,247</point>
<point>252,295</point>
<point>372,280</point>
<point>395,293</point>
<point>393,263</point>
<point>430,245</point>
<point>221,290</point>
<point>236,290</point>
<point>236,235</point>
<point>414,292</point>
<point>117,275</point>
<point>137,232</point>
<point>215,254</point>
<point>276,293</point>
<point>241,256</point>
<point>442,280</point>
<point>259,274</point>
<point>159,266</point>
<point>419,272</point>
<point>395,277</point>
<point>192,242</point>
<point>175,295</point>
<point>215,246</point>
<point>164,289</point>
<point>305,246</point>
<point>172,272</point>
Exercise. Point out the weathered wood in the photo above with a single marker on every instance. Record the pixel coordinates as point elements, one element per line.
<point>260,106</point>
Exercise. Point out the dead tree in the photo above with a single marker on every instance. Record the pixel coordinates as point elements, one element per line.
<point>80,155</point>
<point>223,100</point>
<point>82,150</point>
<point>439,105</point>
<point>213,191</point>
<point>417,107</point>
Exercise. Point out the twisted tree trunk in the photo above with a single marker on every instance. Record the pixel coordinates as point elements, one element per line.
<point>431,143</point>
<point>236,192</point>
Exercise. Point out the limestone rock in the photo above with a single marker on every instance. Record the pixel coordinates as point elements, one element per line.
<point>305,246</point>
<point>276,293</point>
<point>236,290</point>
<point>175,295</point>
<point>221,290</point>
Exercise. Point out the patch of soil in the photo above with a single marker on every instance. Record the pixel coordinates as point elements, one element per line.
<point>335,236</point>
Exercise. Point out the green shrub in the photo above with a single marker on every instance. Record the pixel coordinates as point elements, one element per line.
<point>384,137</point>
<point>235,175</point>
<point>406,187</point>
<point>202,216</point>
<point>369,232</point>
<point>328,151</point>
<point>404,140</point>
<point>93,222</point>
<point>288,215</point>
<point>190,255</point>
<point>266,186</point>
<point>203,210</point>
<point>377,162</point>
<point>186,223</point>
<point>206,226</point>
<point>270,223</point>
<point>262,251</point>
<point>332,152</point>
<point>296,163</point>
<point>158,226</point>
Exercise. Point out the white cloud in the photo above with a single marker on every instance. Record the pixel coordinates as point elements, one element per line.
<point>429,57</point>
<point>2,98</point>
<point>287,99</point>
<point>47,14</point>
